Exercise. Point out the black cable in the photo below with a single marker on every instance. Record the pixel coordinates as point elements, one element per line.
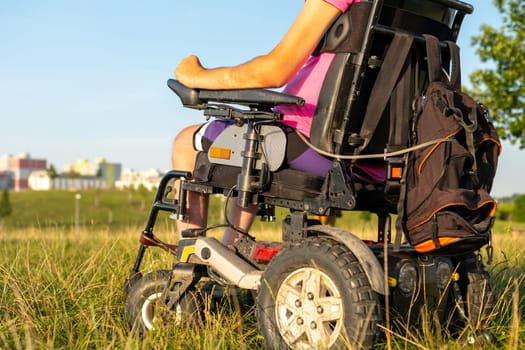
<point>227,219</point>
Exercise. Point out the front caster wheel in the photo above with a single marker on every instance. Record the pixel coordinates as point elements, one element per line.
<point>315,295</point>
<point>146,308</point>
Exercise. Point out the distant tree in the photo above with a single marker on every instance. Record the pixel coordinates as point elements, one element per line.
<point>52,172</point>
<point>505,210</point>
<point>5,205</point>
<point>72,174</point>
<point>518,213</point>
<point>501,86</point>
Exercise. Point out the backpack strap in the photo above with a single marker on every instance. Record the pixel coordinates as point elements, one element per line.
<point>435,62</point>
<point>400,111</point>
<point>455,70</point>
<point>433,58</point>
<point>384,85</point>
<point>468,122</point>
<point>398,137</point>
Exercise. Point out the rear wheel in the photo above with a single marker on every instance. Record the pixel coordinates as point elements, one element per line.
<point>315,294</point>
<point>146,308</point>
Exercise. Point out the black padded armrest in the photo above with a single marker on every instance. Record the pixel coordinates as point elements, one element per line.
<point>196,98</point>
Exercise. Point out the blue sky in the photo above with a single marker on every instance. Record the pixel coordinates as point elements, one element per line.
<point>87,79</point>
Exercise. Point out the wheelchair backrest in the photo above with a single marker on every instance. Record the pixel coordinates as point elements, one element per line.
<point>361,39</point>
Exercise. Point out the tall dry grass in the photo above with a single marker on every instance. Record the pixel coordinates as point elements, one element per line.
<point>63,289</point>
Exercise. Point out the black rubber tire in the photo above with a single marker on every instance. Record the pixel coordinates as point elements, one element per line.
<point>476,291</point>
<point>472,326</point>
<point>340,283</point>
<point>142,303</point>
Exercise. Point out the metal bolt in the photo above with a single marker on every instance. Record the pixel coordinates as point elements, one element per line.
<point>310,296</point>
<point>320,310</point>
<point>300,321</point>
<point>298,303</point>
<point>313,325</point>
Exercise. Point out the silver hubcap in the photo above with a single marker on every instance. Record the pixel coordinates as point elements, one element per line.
<point>309,310</point>
<point>148,310</point>
<point>151,308</point>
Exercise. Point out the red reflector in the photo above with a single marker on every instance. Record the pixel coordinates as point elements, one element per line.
<point>264,254</point>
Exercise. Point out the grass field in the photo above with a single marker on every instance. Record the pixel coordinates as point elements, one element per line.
<point>61,285</point>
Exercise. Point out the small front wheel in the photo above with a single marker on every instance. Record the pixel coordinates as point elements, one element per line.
<point>315,295</point>
<point>146,307</point>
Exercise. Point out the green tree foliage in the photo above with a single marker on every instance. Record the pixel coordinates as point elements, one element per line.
<point>5,205</point>
<point>52,172</point>
<point>518,213</point>
<point>501,86</point>
<point>505,211</point>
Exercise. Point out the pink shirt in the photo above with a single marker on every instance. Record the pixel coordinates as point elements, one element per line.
<point>307,84</point>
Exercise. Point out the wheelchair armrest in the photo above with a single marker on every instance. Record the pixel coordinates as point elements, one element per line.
<point>198,99</point>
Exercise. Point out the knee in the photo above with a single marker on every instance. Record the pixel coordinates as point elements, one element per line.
<point>182,152</point>
<point>184,138</point>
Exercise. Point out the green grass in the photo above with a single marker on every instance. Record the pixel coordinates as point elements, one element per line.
<point>64,291</point>
<point>112,210</point>
<point>61,288</point>
<point>97,209</point>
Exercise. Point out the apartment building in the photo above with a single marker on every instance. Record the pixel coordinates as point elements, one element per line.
<point>15,170</point>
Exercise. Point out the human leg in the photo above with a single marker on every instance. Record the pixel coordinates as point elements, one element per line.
<point>183,158</point>
<point>239,217</point>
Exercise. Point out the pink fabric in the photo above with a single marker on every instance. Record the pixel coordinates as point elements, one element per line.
<point>307,84</point>
<point>342,5</point>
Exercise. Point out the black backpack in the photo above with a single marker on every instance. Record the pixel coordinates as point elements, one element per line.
<point>447,207</point>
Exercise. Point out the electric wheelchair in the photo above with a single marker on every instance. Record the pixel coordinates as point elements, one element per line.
<point>318,286</point>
